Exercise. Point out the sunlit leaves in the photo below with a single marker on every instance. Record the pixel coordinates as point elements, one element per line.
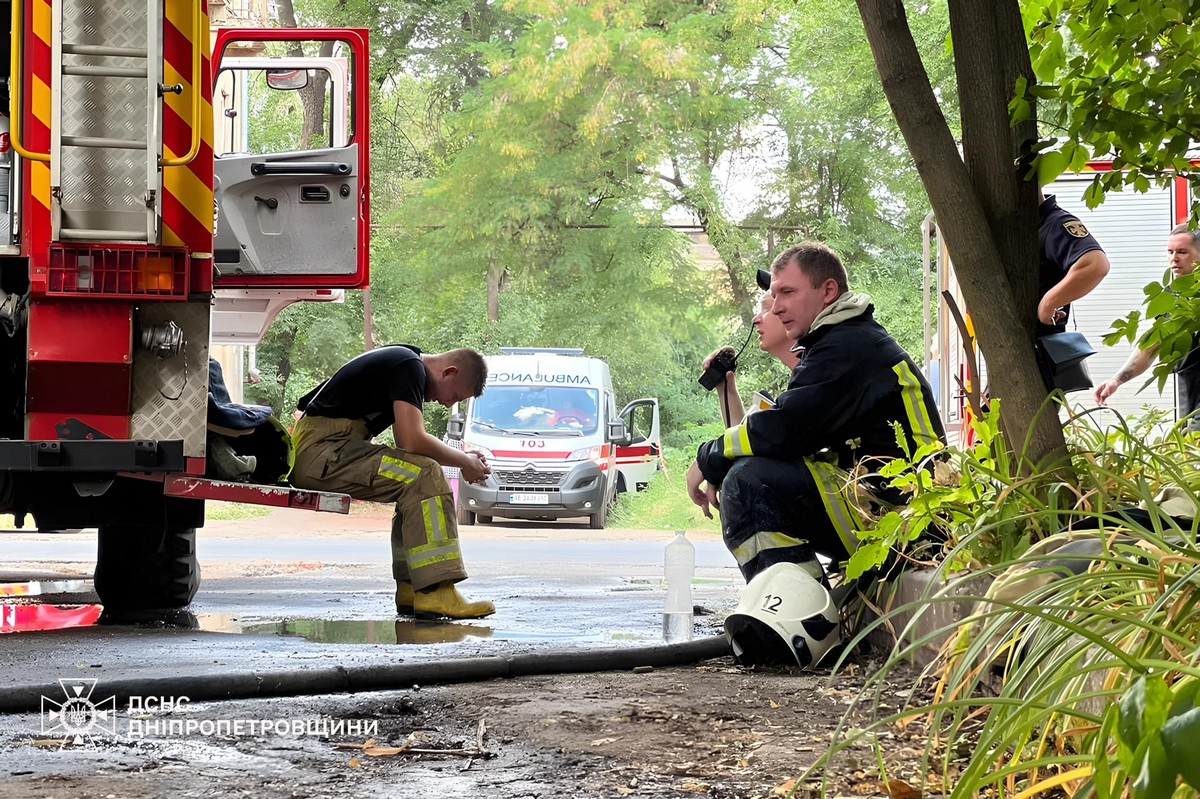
<point>1158,735</point>
<point>1125,81</point>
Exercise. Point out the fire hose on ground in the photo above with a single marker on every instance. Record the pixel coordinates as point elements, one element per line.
<point>391,677</point>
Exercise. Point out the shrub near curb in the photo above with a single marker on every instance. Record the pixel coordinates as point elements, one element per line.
<point>1084,682</point>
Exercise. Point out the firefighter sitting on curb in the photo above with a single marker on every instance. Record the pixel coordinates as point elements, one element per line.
<point>383,388</point>
<point>780,504</point>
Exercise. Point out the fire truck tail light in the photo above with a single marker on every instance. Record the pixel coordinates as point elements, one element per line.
<point>155,275</point>
<point>115,271</point>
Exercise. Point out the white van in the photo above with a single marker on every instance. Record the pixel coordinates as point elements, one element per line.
<point>548,426</point>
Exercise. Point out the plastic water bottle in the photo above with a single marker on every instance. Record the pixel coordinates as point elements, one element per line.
<point>680,567</point>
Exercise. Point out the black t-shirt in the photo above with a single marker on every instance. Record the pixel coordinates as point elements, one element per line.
<point>1187,381</point>
<point>366,387</point>
<point>1063,240</point>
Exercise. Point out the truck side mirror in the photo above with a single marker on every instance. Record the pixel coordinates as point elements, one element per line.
<point>616,432</point>
<point>456,426</point>
<point>287,79</point>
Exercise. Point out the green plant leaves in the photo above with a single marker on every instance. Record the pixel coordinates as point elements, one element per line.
<point>1154,777</point>
<point>1050,165</point>
<point>1143,710</point>
<point>1064,637</point>
<point>1160,303</point>
<point>1181,742</point>
<point>869,555</point>
<point>1159,736</point>
<point>1186,693</point>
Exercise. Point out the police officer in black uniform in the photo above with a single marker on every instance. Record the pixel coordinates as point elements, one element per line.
<point>1072,264</point>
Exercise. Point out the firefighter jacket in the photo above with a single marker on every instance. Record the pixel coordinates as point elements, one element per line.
<point>853,383</point>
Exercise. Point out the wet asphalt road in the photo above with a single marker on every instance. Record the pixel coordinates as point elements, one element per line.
<point>306,597</point>
<point>312,591</point>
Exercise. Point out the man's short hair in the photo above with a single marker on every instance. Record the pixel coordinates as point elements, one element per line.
<point>472,366</point>
<point>816,261</point>
<point>1195,234</point>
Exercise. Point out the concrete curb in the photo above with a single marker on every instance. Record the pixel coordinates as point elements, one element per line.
<point>912,617</point>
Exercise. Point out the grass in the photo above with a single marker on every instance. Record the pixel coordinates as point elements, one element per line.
<point>664,505</point>
<point>217,511</point>
<point>214,510</point>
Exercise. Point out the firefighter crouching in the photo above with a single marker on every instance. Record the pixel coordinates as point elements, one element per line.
<point>780,503</point>
<point>334,452</point>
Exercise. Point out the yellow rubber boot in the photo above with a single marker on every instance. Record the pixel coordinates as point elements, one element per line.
<point>433,632</point>
<point>404,598</point>
<point>445,602</point>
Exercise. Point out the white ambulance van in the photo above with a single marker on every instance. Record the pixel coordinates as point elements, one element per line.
<point>548,426</point>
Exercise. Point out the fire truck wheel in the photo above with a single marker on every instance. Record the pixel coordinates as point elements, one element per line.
<point>143,568</point>
<point>465,517</point>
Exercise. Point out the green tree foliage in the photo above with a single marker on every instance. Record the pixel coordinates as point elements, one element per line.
<point>526,154</point>
<point>1116,79</point>
<point>844,176</point>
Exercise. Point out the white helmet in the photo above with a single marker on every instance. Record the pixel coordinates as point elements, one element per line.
<point>785,616</point>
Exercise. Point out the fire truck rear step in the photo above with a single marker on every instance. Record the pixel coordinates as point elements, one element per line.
<point>179,485</point>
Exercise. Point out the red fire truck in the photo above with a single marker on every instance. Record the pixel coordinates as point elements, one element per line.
<point>134,234</point>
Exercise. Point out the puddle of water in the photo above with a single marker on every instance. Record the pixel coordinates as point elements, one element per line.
<point>31,588</point>
<point>394,631</point>
<point>30,618</point>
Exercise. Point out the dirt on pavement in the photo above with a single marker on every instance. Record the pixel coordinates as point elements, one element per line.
<point>713,729</point>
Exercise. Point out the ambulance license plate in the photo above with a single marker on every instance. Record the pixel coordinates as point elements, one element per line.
<point>529,499</point>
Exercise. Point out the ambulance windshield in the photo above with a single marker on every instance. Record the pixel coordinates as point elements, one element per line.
<point>536,409</point>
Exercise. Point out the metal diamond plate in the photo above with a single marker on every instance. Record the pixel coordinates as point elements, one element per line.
<point>109,107</point>
<point>157,413</point>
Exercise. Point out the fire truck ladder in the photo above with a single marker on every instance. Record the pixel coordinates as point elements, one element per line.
<point>106,120</point>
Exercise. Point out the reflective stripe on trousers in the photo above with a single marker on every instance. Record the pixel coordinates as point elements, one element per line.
<point>833,483</point>
<point>759,543</point>
<point>338,455</point>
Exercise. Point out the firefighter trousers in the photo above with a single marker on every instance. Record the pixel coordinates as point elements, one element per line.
<point>338,455</point>
<point>780,512</point>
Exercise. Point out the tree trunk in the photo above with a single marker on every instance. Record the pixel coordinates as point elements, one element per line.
<point>313,96</point>
<point>287,346</point>
<point>368,321</point>
<point>495,277</point>
<point>723,235</point>
<point>727,240</point>
<point>986,211</point>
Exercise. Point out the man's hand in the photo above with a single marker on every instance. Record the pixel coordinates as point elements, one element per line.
<point>476,469</point>
<point>713,356</point>
<point>703,497</point>
<point>1106,390</point>
<point>1048,314</point>
<point>1083,276</point>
